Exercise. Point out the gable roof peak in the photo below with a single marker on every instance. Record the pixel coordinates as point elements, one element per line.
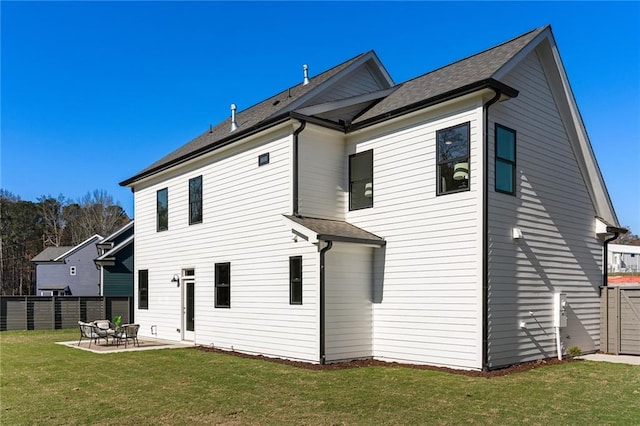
<point>260,115</point>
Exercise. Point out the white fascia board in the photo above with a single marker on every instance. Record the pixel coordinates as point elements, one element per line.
<point>300,231</point>
<point>118,232</point>
<point>545,46</point>
<point>518,57</point>
<point>116,249</point>
<point>343,103</point>
<point>369,56</point>
<point>78,247</point>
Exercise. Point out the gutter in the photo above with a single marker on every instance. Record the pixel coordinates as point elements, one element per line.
<point>605,261</point>
<point>324,250</point>
<point>490,83</point>
<point>485,230</point>
<point>237,135</point>
<point>297,132</point>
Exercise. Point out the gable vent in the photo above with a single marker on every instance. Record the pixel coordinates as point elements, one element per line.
<point>305,70</point>
<point>234,125</point>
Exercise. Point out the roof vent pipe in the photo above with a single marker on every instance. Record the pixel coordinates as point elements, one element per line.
<point>305,69</point>
<point>234,125</point>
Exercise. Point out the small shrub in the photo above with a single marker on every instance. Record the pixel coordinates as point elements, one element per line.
<point>574,351</point>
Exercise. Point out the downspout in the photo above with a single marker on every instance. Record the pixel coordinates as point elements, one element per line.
<point>322,299</point>
<point>295,166</point>
<point>605,261</point>
<point>485,230</point>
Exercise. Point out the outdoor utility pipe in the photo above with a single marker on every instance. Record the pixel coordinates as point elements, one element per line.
<point>295,166</point>
<point>558,343</point>
<point>322,298</point>
<point>605,260</point>
<point>485,228</point>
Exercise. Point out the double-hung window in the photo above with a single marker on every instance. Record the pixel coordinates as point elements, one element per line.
<point>361,180</point>
<point>452,151</point>
<point>505,160</point>
<point>195,200</point>
<point>223,285</point>
<point>295,280</point>
<point>143,289</point>
<point>162,209</point>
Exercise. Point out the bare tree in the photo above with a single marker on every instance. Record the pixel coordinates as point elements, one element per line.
<point>52,213</point>
<point>95,213</point>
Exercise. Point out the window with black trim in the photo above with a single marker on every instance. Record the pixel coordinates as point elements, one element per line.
<point>263,159</point>
<point>505,160</point>
<point>361,180</point>
<point>143,289</point>
<point>195,200</point>
<point>162,209</point>
<point>223,285</point>
<point>295,280</point>
<point>452,156</point>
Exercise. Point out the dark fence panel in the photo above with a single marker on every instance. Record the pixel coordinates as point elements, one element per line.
<point>55,312</point>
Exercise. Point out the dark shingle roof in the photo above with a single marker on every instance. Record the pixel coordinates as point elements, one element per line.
<point>476,68</point>
<point>416,93</point>
<point>336,230</point>
<point>246,119</point>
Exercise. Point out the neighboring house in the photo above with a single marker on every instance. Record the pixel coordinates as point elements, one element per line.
<point>347,217</point>
<point>623,258</point>
<point>115,261</point>
<point>68,271</point>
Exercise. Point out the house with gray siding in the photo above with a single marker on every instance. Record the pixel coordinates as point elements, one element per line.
<point>68,270</point>
<point>455,219</point>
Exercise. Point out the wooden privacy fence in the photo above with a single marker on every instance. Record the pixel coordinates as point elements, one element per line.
<point>620,320</point>
<point>54,312</point>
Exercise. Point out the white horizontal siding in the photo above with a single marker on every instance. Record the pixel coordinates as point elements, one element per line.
<point>428,275</point>
<point>358,82</point>
<point>348,309</point>
<point>242,224</point>
<point>321,173</point>
<point>559,251</point>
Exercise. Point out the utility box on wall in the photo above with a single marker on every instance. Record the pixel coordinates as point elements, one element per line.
<point>560,310</point>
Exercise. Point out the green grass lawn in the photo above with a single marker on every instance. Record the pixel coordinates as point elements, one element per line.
<point>45,383</point>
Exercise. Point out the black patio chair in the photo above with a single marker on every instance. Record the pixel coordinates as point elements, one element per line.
<point>127,332</point>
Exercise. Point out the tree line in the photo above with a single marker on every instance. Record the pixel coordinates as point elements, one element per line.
<point>27,228</point>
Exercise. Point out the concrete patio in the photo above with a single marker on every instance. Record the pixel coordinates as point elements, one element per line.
<point>146,344</point>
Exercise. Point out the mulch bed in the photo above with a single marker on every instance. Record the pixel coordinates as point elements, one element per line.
<point>516,368</point>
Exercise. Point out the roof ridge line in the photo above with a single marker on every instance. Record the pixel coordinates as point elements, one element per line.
<point>475,54</point>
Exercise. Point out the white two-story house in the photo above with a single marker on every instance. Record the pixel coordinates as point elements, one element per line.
<point>431,221</point>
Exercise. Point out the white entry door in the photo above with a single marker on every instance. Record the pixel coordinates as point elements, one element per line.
<point>188,309</point>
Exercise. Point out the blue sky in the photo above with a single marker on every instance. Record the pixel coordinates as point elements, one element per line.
<point>93,92</point>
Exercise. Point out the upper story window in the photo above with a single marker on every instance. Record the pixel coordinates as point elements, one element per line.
<point>263,159</point>
<point>452,156</point>
<point>505,160</point>
<point>195,200</point>
<point>223,285</point>
<point>162,210</point>
<point>295,280</point>
<point>361,180</point>
<point>143,289</point>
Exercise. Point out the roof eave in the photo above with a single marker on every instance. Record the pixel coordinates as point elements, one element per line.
<point>235,136</point>
<point>342,239</point>
<point>434,100</point>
